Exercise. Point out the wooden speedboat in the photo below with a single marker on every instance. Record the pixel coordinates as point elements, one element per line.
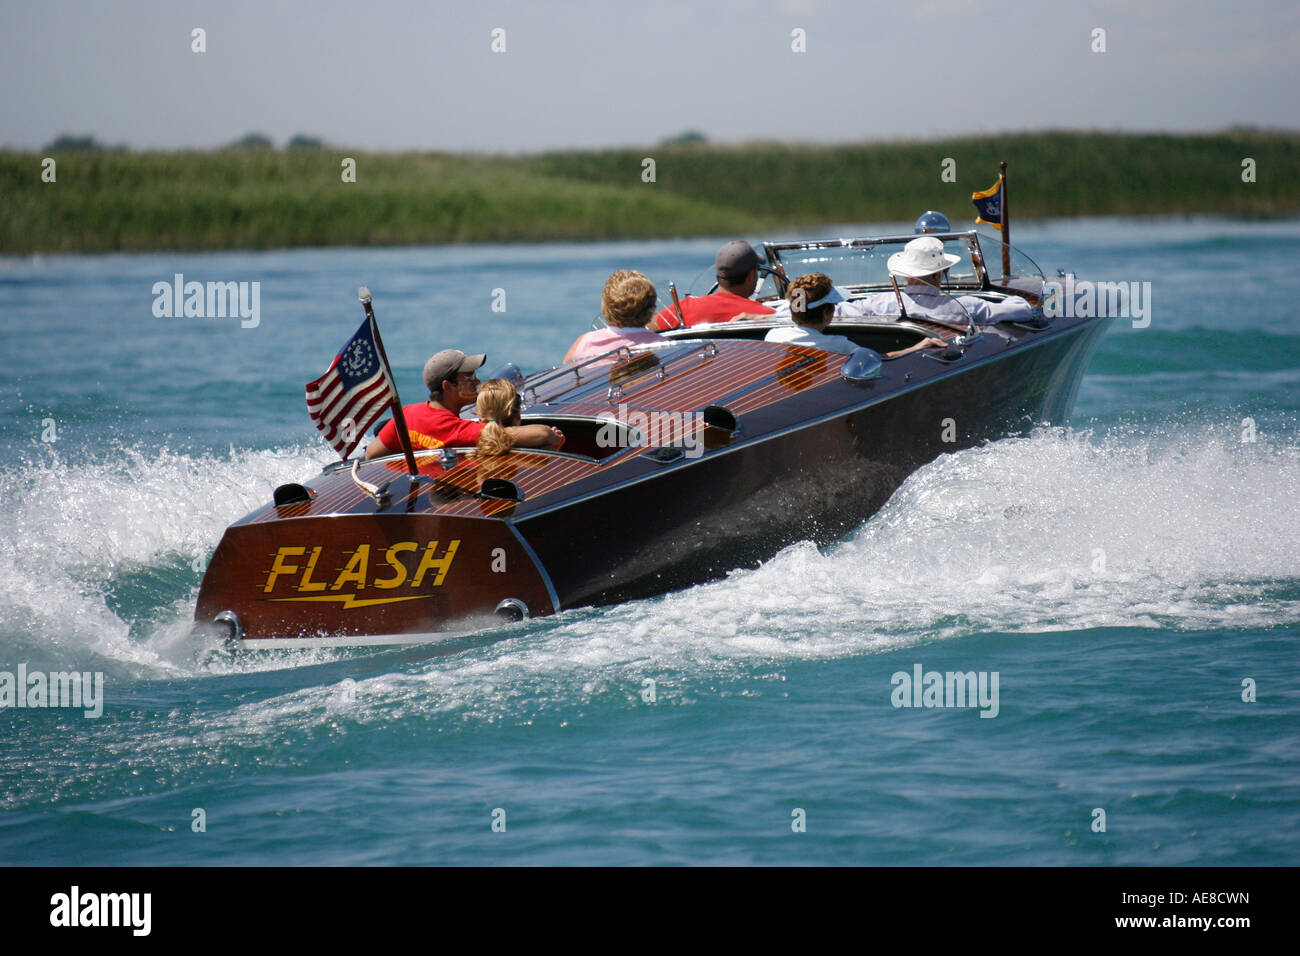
<point>704,453</point>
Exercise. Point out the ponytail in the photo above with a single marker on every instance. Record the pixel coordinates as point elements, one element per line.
<point>494,439</point>
<point>497,405</point>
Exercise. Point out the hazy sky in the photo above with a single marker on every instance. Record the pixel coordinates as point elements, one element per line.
<point>422,75</point>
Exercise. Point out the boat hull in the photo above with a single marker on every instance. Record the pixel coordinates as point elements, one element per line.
<point>367,579</point>
<point>816,481</point>
<point>815,455</point>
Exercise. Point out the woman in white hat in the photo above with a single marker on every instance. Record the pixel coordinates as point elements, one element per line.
<point>923,263</point>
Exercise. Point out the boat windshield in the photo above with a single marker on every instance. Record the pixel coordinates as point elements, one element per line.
<point>864,263</point>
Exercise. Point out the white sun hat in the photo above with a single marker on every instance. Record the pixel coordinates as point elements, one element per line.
<point>833,296</point>
<point>921,257</point>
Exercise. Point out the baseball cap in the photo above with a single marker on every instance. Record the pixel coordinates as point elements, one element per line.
<point>735,259</point>
<point>445,364</point>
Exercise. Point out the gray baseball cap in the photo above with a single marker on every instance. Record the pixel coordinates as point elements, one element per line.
<point>735,259</point>
<point>445,364</point>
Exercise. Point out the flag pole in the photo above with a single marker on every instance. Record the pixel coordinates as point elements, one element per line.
<point>1006,225</point>
<point>399,418</point>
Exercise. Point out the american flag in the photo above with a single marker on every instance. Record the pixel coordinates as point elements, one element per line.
<point>347,399</point>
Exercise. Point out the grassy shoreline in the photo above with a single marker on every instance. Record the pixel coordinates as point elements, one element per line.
<point>262,198</point>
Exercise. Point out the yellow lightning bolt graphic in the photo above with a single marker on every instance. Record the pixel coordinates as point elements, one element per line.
<point>350,601</point>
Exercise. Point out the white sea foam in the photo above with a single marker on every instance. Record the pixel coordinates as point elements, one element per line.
<point>72,524</point>
<point>1198,531</point>
<point>1186,527</point>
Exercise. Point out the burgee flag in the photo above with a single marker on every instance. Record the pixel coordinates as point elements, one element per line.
<point>356,390</point>
<point>989,204</point>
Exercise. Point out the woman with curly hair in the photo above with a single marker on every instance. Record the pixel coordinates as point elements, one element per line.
<point>627,304</point>
<point>498,410</point>
<point>812,301</point>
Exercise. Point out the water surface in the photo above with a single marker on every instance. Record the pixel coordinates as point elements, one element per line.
<point>1123,577</point>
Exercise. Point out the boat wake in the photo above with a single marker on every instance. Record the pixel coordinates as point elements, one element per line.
<point>101,556</point>
<point>1185,527</point>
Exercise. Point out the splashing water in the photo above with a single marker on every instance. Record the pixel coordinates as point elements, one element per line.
<point>1184,527</point>
<point>94,548</point>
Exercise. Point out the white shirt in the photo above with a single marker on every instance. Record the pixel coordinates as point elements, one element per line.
<point>801,335</point>
<point>925,301</point>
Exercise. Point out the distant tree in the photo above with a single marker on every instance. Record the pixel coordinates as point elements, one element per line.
<point>68,143</point>
<point>692,137</point>
<point>253,141</point>
<point>303,141</point>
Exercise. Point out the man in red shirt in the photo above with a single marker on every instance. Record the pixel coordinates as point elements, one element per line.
<point>452,385</point>
<point>737,270</point>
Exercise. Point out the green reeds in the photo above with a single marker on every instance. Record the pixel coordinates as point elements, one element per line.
<point>262,198</point>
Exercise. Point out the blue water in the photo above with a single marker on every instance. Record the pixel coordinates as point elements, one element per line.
<point>1122,578</point>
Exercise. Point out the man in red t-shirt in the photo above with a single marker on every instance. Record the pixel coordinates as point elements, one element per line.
<point>452,385</point>
<point>737,270</point>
